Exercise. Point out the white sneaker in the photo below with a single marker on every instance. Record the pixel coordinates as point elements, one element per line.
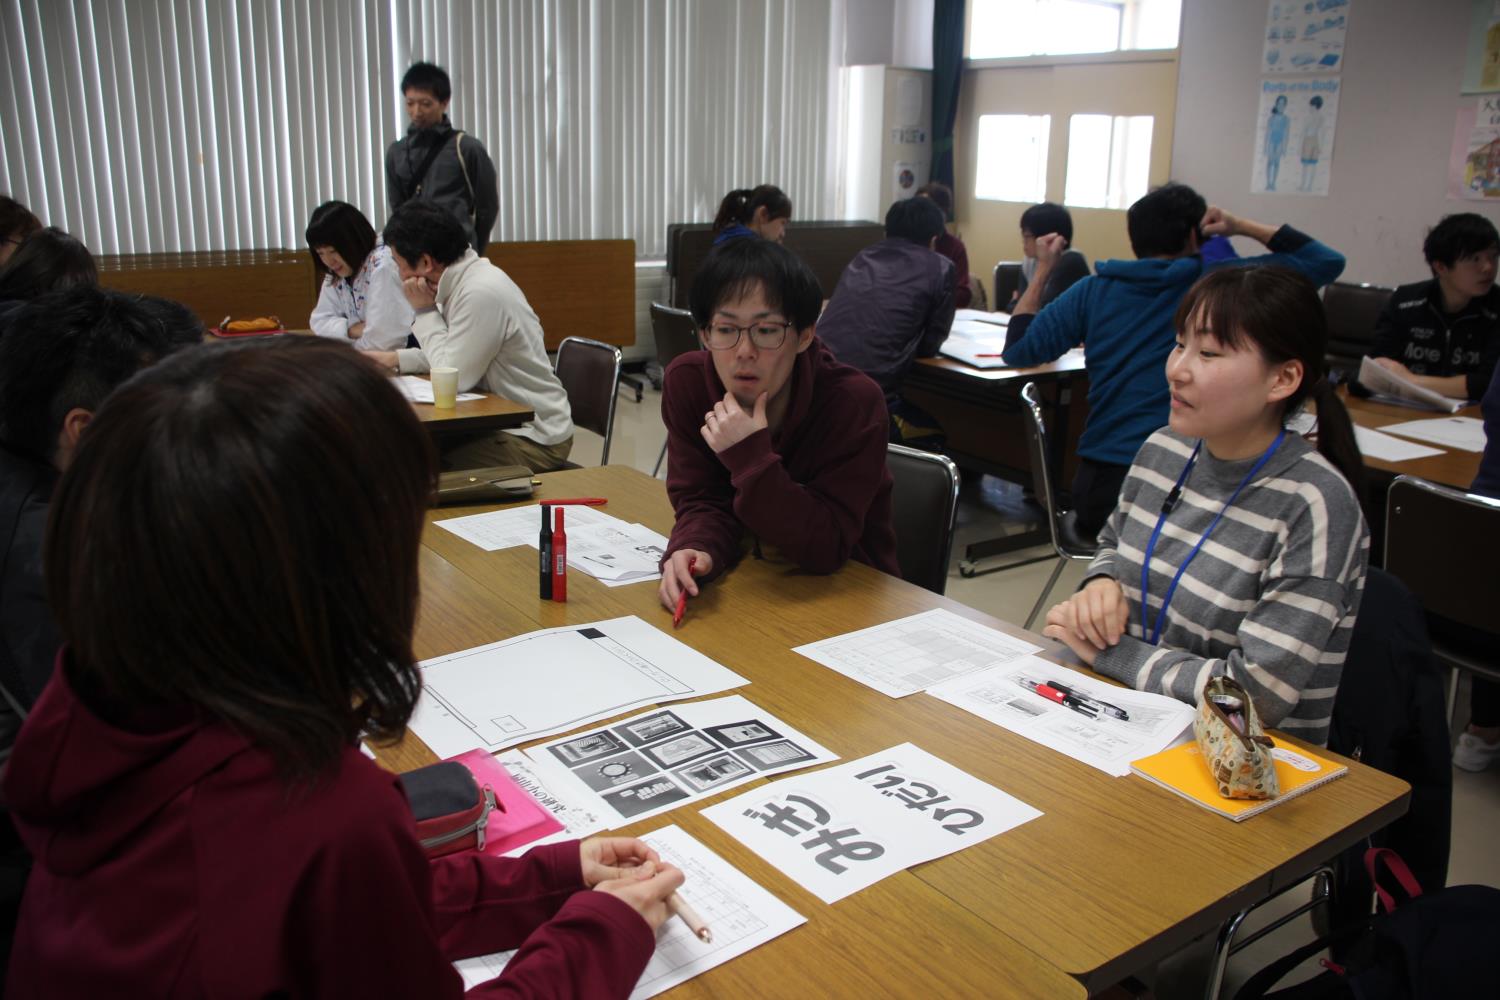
<point>1474,754</point>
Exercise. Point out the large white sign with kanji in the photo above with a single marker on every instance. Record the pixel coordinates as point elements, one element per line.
<point>838,830</point>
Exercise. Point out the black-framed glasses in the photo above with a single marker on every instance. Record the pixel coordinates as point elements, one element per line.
<point>766,335</point>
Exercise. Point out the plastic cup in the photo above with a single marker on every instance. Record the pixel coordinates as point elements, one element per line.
<point>445,388</point>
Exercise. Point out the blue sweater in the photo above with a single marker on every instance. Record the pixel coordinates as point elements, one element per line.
<point>1123,316</point>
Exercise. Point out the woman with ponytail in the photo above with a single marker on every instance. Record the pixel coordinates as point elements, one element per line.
<point>1237,548</point>
<point>763,211</point>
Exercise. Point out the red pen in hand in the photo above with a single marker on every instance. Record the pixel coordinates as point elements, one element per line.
<point>682,597</point>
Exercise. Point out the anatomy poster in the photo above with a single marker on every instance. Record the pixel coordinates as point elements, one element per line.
<point>1304,36</point>
<point>1294,136</point>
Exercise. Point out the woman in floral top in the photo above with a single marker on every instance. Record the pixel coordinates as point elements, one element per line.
<point>361,298</point>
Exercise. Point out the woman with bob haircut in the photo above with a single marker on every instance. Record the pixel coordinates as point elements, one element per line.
<point>190,782</point>
<point>1237,548</point>
<point>762,212</point>
<point>361,298</point>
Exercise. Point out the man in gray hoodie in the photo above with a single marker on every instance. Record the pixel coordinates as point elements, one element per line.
<point>435,162</point>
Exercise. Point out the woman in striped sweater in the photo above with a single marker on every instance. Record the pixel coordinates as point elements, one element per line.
<point>1253,541</point>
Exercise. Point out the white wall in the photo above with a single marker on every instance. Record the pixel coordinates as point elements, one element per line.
<point>1400,92</point>
<point>888,33</point>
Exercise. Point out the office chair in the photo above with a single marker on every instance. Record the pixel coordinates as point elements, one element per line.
<point>1351,310</point>
<point>1066,541</point>
<point>1441,543</point>
<point>1007,280</point>
<point>924,501</point>
<point>590,374</point>
<point>675,333</point>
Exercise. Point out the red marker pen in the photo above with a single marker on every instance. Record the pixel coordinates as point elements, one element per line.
<point>560,559</point>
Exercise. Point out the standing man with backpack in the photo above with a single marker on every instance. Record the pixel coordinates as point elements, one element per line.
<point>437,163</point>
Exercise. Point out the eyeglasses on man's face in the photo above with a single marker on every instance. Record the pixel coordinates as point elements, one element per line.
<point>765,335</point>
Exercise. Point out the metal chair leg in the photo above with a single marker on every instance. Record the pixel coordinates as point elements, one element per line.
<point>659,459</point>
<point>1046,591</point>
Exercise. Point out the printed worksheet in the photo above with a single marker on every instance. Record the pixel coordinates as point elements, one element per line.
<point>419,390</point>
<point>671,757</point>
<point>577,819</point>
<point>1104,726</point>
<point>843,828</point>
<point>1464,433</point>
<point>912,654</point>
<point>505,529</point>
<point>1374,444</point>
<point>616,554</point>
<point>740,913</point>
<point>496,696</point>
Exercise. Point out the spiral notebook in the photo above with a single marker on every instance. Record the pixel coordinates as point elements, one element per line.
<point>1183,770</point>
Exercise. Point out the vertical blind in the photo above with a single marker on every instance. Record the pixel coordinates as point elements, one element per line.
<point>171,125</point>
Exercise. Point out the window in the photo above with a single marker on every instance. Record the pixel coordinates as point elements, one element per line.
<point>1012,158</point>
<point>1002,29</point>
<point>1109,160</point>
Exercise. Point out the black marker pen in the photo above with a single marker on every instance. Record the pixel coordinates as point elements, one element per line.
<point>545,545</point>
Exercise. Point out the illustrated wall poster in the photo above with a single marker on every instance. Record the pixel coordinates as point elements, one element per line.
<point>1304,36</point>
<point>1294,136</point>
<point>1474,161</point>
<point>1482,59</point>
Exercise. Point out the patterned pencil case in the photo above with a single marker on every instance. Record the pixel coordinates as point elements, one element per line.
<point>1234,743</point>
<point>450,807</point>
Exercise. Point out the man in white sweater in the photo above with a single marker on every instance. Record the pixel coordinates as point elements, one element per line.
<point>471,316</point>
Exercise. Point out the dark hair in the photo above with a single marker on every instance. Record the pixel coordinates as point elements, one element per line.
<point>291,626</point>
<point>430,78</point>
<point>1277,312</point>
<point>340,225</point>
<point>941,194</point>
<point>1048,217</point>
<point>47,259</point>
<point>739,206</point>
<point>69,349</point>
<point>919,220</point>
<point>739,267</point>
<point>1161,221</point>
<point>1457,236</point>
<point>420,227</point>
<point>16,220</point>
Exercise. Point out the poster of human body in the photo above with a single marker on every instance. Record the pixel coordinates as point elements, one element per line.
<point>1294,136</point>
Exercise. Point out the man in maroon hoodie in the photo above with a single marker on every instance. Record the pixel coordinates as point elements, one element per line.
<point>772,444</point>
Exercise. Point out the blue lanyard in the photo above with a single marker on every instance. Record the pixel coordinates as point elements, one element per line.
<point>1154,634</point>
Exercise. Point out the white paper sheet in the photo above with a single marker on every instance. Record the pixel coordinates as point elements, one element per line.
<point>1089,732</point>
<point>616,555</point>
<point>1463,433</point>
<point>841,829</point>
<point>1373,444</point>
<point>741,914</point>
<point>578,819</point>
<point>980,316</point>
<point>541,683</point>
<point>672,757</point>
<point>912,654</point>
<point>1387,383</point>
<point>504,529</point>
<point>419,390</point>
<point>981,352</point>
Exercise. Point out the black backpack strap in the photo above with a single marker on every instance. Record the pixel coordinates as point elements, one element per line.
<point>1259,984</point>
<point>414,183</point>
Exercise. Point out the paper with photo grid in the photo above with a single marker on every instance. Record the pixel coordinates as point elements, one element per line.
<point>506,693</point>
<point>670,757</point>
<point>912,654</point>
<point>741,914</point>
<point>843,828</point>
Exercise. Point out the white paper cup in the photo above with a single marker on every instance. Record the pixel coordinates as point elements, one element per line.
<point>445,387</point>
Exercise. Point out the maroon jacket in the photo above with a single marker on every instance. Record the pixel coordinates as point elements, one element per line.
<point>818,491</point>
<point>172,861</point>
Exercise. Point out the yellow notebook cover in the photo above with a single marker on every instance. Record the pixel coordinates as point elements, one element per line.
<point>1181,769</point>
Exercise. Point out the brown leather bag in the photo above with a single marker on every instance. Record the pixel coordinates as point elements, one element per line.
<point>496,484</point>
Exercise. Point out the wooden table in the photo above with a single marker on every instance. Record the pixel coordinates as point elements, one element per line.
<point>1115,874</point>
<point>488,413</point>
<point>1454,467</point>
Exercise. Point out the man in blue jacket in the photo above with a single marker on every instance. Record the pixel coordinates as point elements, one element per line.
<point>1123,314</point>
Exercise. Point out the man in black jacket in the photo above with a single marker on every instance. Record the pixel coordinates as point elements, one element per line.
<point>61,356</point>
<point>1444,334</point>
<point>437,163</point>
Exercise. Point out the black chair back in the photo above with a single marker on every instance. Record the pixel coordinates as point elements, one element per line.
<point>924,502</point>
<point>674,332</point>
<point>590,373</point>
<point>1443,543</point>
<point>1007,280</point>
<point>1351,311</point>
